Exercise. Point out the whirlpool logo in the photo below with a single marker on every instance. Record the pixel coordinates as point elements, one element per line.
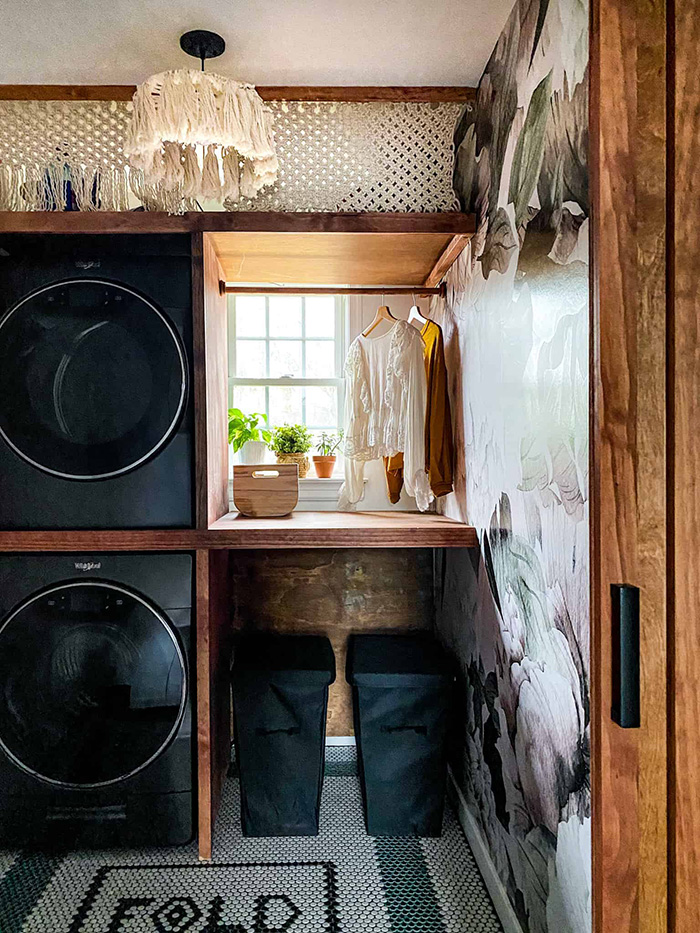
<point>86,565</point>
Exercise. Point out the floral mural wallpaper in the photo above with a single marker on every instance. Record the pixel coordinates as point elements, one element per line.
<point>515,322</point>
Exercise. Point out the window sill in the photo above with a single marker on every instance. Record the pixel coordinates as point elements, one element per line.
<point>311,488</point>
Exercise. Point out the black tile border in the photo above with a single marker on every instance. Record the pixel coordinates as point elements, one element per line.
<point>330,884</point>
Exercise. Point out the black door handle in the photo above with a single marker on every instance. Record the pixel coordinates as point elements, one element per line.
<point>625,655</point>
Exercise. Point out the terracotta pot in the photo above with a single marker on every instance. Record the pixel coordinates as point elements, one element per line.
<point>301,459</point>
<point>324,466</point>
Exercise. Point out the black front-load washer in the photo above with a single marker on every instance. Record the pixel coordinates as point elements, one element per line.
<point>95,699</point>
<point>95,382</point>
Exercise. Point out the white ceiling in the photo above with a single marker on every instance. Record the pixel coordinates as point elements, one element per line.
<point>287,42</point>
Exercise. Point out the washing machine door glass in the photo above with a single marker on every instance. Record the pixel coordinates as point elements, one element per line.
<point>92,684</point>
<point>93,381</point>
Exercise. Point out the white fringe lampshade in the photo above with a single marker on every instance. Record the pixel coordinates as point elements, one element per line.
<point>201,135</point>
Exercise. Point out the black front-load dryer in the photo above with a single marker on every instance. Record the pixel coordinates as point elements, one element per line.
<point>95,700</point>
<point>95,382</point>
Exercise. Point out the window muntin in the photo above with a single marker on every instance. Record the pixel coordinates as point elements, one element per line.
<point>286,356</point>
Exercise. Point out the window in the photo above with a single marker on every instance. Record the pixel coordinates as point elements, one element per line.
<point>286,356</point>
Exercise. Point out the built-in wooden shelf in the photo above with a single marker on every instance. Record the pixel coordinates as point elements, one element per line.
<point>407,257</point>
<point>344,529</point>
<point>298,530</point>
<point>404,250</point>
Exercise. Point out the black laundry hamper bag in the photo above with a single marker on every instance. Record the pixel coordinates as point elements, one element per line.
<point>280,699</point>
<point>402,691</point>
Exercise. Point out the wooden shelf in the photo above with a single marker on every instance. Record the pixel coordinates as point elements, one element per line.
<point>397,258</point>
<point>344,529</point>
<point>449,223</point>
<point>299,530</point>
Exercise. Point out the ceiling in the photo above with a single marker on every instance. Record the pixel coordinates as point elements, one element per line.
<point>284,42</point>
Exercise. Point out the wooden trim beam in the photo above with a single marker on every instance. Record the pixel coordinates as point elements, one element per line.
<point>450,222</point>
<point>447,258</point>
<point>350,94</point>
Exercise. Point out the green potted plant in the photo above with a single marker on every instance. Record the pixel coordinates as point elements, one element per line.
<point>290,443</point>
<point>247,439</point>
<point>324,461</point>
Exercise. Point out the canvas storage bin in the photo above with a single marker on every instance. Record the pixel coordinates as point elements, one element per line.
<point>402,695</point>
<point>280,699</point>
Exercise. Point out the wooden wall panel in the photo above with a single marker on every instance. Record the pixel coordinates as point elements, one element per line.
<point>214,635</point>
<point>211,383</point>
<point>334,593</point>
<point>684,398</point>
<point>628,469</point>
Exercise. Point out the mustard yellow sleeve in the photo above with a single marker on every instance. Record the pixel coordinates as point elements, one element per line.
<point>393,471</point>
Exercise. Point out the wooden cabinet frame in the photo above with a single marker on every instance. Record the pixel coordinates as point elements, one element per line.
<point>215,532</point>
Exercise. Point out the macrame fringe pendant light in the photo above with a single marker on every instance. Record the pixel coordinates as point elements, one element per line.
<point>196,135</point>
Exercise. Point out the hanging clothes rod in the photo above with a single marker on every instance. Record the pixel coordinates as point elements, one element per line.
<point>417,290</point>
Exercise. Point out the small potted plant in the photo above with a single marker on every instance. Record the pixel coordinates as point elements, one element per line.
<point>291,442</point>
<point>248,440</point>
<point>324,462</point>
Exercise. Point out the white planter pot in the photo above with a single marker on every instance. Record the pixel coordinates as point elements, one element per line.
<point>252,452</point>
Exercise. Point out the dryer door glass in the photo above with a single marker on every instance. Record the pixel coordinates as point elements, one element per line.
<point>92,684</point>
<point>93,381</point>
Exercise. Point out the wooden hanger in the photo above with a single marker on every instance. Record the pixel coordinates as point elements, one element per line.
<point>383,314</point>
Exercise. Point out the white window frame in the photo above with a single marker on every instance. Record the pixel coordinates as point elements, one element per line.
<point>340,340</point>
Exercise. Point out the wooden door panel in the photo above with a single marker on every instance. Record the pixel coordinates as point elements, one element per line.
<point>684,392</point>
<point>628,444</point>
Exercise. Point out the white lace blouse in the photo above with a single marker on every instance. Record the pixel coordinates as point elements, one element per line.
<point>385,399</point>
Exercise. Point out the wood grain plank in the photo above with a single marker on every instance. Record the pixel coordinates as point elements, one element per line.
<point>650,157</point>
<point>628,456</point>
<point>220,648</point>
<point>684,395</point>
<point>214,642</point>
<point>447,259</point>
<point>299,530</point>
<point>448,223</point>
<point>331,258</point>
<point>70,92</point>
<point>211,383</point>
<point>216,372</point>
<point>356,94</point>
<point>614,753</point>
<point>345,529</point>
